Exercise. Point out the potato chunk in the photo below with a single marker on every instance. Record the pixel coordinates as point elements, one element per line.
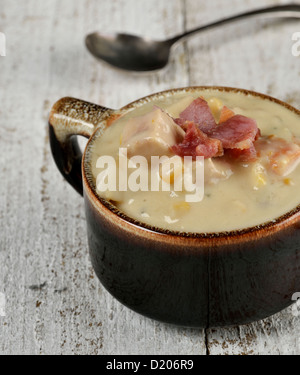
<point>216,170</point>
<point>151,134</point>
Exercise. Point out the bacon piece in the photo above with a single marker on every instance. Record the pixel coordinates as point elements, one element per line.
<point>238,132</point>
<point>246,155</point>
<point>197,143</point>
<point>199,113</point>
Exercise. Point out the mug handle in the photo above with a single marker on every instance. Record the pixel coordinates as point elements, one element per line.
<point>70,117</point>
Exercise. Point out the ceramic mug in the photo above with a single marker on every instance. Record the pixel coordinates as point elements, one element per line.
<point>193,280</point>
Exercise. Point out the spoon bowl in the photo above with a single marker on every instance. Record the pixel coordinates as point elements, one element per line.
<point>128,52</point>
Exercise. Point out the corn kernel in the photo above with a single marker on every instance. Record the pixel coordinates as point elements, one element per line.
<point>182,207</point>
<point>215,106</point>
<point>288,181</point>
<point>261,180</point>
<point>168,177</point>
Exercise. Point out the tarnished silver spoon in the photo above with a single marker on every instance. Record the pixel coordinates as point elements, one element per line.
<point>133,53</point>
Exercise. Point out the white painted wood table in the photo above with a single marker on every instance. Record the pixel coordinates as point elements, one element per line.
<point>54,304</point>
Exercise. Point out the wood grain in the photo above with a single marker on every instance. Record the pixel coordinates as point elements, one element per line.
<point>54,303</point>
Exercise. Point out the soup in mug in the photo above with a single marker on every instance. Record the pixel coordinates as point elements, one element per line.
<point>243,148</point>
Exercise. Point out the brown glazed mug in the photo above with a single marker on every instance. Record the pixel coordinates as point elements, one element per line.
<point>194,280</point>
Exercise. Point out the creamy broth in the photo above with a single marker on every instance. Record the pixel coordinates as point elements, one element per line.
<point>243,199</point>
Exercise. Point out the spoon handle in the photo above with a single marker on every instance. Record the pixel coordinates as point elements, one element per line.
<point>280,11</point>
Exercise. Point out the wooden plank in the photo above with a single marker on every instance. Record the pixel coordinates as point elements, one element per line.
<point>254,55</point>
<point>277,335</point>
<point>54,303</point>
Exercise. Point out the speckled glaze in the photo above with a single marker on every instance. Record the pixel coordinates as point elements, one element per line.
<point>188,279</point>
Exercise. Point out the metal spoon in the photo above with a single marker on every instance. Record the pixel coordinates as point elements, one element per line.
<point>133,53</point>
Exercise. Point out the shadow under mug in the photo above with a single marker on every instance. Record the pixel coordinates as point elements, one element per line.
<point>192,280</point>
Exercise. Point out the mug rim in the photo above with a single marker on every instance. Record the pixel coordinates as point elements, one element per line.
<point>117,217</point>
